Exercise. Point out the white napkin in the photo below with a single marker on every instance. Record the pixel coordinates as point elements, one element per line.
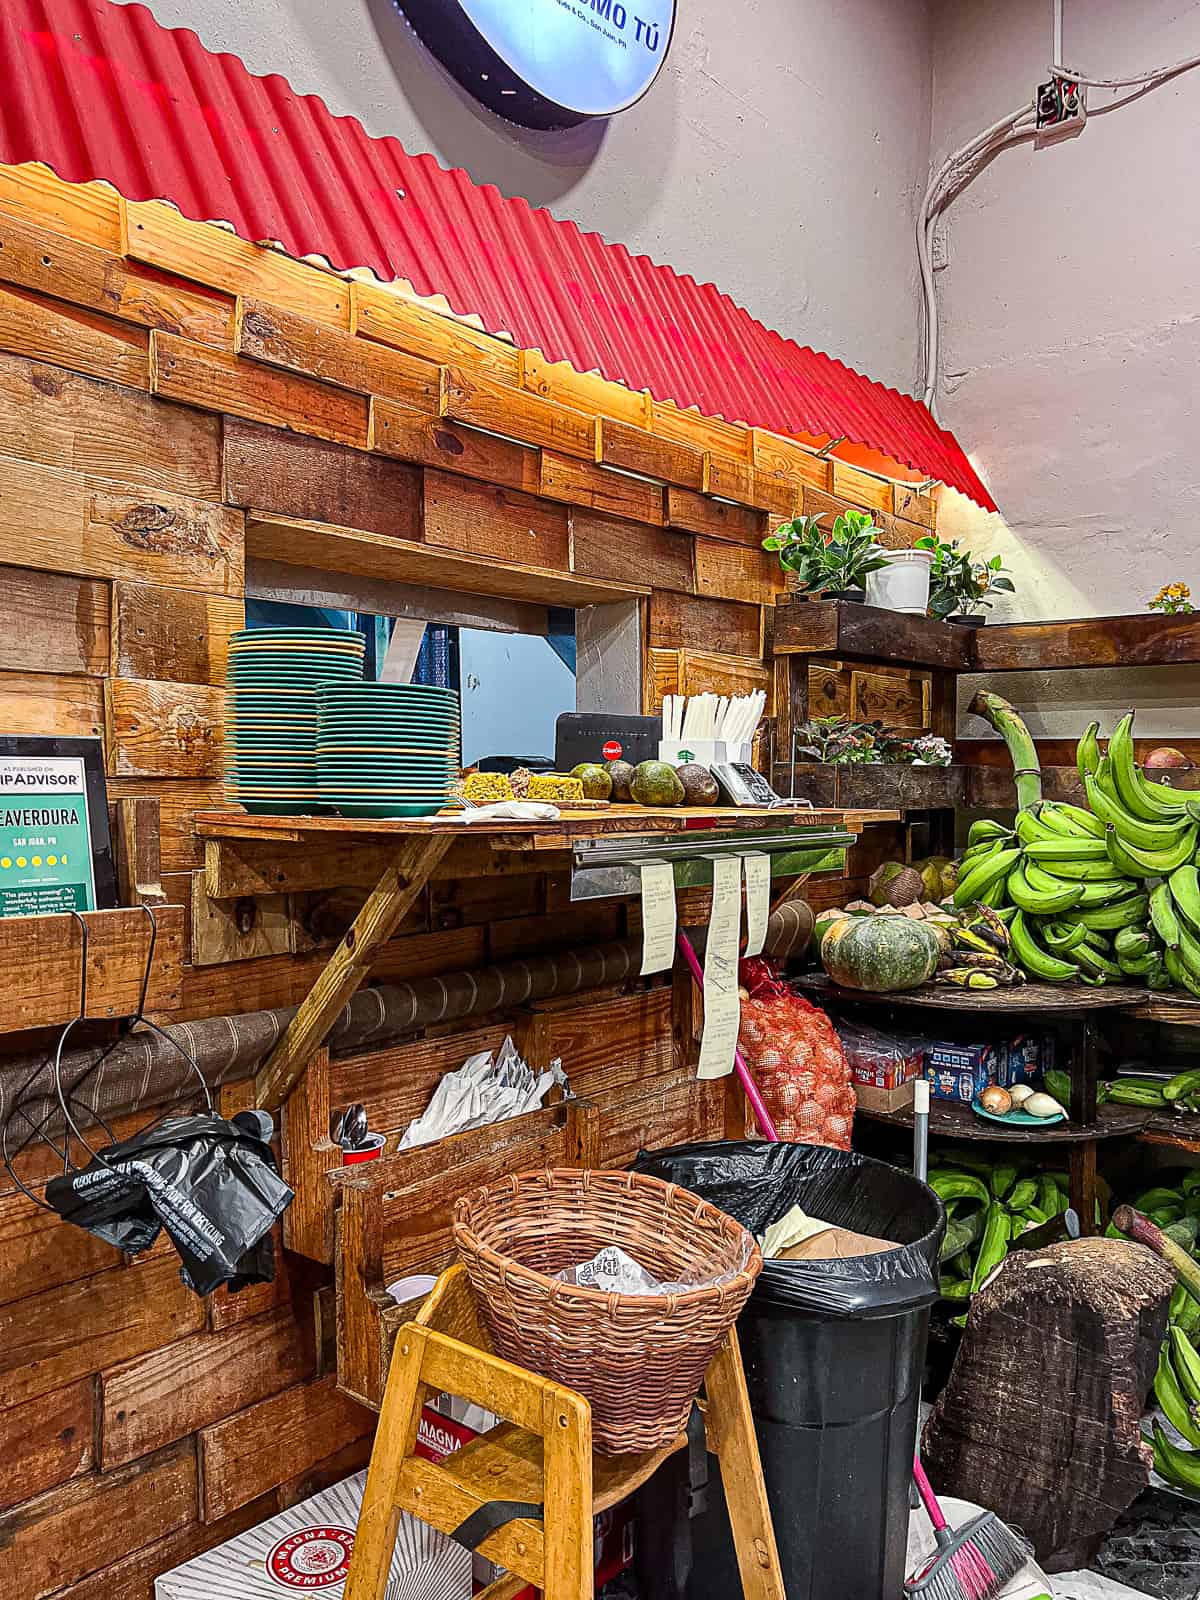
<point>484,1089</point>
<point>507,811</point>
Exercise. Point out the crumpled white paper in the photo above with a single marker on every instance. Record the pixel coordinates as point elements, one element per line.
<point>793,1227</point>
<point>613,1271</point>
<point>507,811</point>
<point>486,1088</point>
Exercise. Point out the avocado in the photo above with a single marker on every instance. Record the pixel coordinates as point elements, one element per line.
<point>621,773</point>
<point>656,783</point>
<point>596,779</point>
<point>699,785</point>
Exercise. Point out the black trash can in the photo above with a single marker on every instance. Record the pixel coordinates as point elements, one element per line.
<point>833,1352</point>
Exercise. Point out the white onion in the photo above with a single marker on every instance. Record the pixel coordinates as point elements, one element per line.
<point>1043,1105</point>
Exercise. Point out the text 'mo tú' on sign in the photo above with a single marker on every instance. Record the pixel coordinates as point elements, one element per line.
<point>548,63</point>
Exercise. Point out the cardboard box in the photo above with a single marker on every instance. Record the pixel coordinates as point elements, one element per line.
<point>898,1098</point>
<point>307,1550</point>
<point>960,1071</point>
<point>1022,1060</point>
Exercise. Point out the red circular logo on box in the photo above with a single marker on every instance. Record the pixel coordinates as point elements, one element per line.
<point>312,1558</point>
<point>612,750</point>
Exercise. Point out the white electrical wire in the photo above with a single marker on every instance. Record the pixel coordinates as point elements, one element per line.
<point>964,165</point>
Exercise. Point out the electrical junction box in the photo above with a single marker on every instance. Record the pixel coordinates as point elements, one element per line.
<point>1061,110</point>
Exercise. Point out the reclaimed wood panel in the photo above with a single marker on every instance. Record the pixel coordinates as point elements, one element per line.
<point>210,379</point>
<point>49,1340</point>
<point>165,539</point>
<point>65,336</point>
<point>861,488</point>
<point>285,339</point>
<point>468,902</point>
<point>585,391</point>
<point>582,484</point>
<point>438,442</point>
<point>736,572</point>
<point>634,449</point>
<point>54,623</point>
<point>789,461</point>
<point>316,481</point>
<point>157,234</point>
<point>70,269</point>
<point>172,634</point>
<point>93,212</point>
<point>74,1530</point>
<point>632,552</point>
<point>607,1046</point>
<point>726,627</point>
<point>484,520</point>
<point>256,1449</point>
<point>716,518</point>
<point>65,419</point>
<point>47,1441</point>
<point>389,318</point>
<point>132,1577</point>
<point>730,478</point>
<point>37,1249</point>
<point>167,730</point>
<point>48,704</point>
<point>42,962</point>
<point>912,505</point>
<point>587,922</point>
<point>166,1394</point>
<point>516,413</point>
<point>227,1309</point>
<point>178,800</point>
<point>692,428</point>
<point>675,1112</point>
<point>702,672</point>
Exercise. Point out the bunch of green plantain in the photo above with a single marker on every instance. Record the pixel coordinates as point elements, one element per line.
<point>1107,893</point>
<point>1180,1093</point>
<point>1176,1210</point>
<point>987,1206</point>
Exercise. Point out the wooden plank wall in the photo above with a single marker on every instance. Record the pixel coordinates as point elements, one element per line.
<point>159,380</point>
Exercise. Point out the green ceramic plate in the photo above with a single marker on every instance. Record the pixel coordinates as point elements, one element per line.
<point>404,691</point>
<point>283,808</point>
<point>424,722</point>
<point>352,809</point>
<point>1017,1119</point>
<point>385,791</point>
<point>240,634</point>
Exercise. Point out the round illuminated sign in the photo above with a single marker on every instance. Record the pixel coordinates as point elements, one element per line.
<point>548,63</point>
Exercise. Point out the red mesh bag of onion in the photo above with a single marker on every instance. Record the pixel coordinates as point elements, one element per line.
<point>797,1060</point>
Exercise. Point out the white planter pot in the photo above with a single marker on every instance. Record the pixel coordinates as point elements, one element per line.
<point>903,585</point>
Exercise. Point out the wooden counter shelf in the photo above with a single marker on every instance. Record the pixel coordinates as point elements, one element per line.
<point>950,1120</point>
<point>406,853</point>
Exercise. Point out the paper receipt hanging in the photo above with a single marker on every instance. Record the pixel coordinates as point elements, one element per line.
<point>658,916</point>
<point>722,1008</point>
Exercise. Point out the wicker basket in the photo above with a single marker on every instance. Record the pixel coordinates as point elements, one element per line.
<point>638,1359</point>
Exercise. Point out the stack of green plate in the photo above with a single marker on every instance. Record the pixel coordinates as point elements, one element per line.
<point>386,749</point>
<point>271,712</point>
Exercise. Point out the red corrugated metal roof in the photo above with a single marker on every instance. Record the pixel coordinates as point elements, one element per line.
<point>97,90</point>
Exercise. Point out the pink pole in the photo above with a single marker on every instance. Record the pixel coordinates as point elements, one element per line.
<point>761,1114</point>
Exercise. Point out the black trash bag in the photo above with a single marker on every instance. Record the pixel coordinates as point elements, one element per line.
<point>210,1183</point>
<point>756,1182</point>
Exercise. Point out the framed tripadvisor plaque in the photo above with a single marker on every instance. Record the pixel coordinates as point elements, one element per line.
<point>55,848</point>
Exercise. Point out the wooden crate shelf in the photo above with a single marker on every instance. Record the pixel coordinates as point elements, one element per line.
<point>869,633</point>
<point>1144,640</point>
<point>41,959</point>
<point>893,786</point>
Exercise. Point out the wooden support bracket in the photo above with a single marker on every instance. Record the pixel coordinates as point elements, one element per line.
<point>349,966</point>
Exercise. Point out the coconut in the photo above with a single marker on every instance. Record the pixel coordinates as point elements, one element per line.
<point>895,884</point>
<point>621,773</point>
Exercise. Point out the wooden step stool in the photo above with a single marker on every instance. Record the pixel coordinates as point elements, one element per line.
<point>537,1468</point>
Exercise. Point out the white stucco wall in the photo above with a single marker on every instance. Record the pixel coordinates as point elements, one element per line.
<point>1071,302</point>
<point>779,154</point>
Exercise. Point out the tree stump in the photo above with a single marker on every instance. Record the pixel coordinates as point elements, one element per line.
<point>1040,1420</point>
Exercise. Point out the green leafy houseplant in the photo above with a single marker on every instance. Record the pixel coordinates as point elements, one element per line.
<point>958,584</point>
<point>839,742</point>
<point>832,562</point>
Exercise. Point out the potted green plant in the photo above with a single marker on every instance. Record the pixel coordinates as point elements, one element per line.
<point>959,586</point>
<point>834,565</point>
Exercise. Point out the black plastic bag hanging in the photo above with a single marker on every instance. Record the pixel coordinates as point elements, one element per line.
<point>211,1184</point>
<point>756,1183</point>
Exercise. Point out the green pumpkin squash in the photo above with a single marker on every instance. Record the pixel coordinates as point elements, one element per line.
<point>879,954</point>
